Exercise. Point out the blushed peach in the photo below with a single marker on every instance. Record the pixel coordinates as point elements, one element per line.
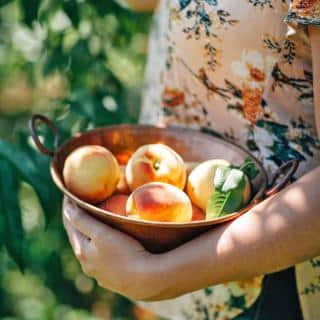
<point>91,173</point>
<point>157,201</point>
<point>155,163</point>
<point>116,204</point>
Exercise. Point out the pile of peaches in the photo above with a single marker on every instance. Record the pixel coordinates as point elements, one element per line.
<point>156,184</point>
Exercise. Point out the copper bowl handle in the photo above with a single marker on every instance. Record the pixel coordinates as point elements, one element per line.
<point>287,169</point>
<point>32,127</point>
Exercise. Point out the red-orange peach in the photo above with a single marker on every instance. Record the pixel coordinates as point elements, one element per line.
<point>115,204</point>
<point>157,201</point>
<point>155,163</point>
<point>91,173</point>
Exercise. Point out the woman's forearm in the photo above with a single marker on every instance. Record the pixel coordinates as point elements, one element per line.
<point>140,5</point>
<point>278,233</point>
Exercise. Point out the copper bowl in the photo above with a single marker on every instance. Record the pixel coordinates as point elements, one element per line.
<point>192,145</point>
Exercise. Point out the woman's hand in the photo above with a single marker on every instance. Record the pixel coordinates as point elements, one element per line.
<point>117,261</point>
<point>277,233</point>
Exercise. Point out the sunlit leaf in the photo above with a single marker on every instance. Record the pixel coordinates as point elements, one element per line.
<point>32,215</point>
<point>233,180</point>
<point>220,176</point>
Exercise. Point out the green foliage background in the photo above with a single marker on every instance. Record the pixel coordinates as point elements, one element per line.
<point>81,63</point>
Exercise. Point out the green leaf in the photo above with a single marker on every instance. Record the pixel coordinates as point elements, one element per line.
<point>221,176</point>
<point>222,203</point>
<point>249,168</point>
<point>71,8</point>
<point>32,215</point>
<point>4,2</point>
<point>2,225</point>
<point>14,236</point>
<point>233,180</point>
<point>56,60</point>
<point>36,178</point>
<point>30,10</point>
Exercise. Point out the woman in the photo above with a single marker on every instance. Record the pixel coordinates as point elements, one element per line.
<point>236,67</point>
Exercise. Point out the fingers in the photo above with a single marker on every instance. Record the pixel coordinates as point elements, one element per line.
<point>83,248</point>
<point>91,227</point>
<point>78,241</point>
<point>80,220</point>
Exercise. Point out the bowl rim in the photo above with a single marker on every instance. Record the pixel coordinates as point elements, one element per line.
<point>115,217</point>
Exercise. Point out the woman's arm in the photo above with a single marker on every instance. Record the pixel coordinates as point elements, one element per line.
<point>278,233</point>
<point>140,5</point>
<point>315,47</point>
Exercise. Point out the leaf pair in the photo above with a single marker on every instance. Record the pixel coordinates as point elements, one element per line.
<point>227,196</point>
<point>229,187</point>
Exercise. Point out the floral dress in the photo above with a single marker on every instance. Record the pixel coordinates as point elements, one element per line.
<point>236,67</point>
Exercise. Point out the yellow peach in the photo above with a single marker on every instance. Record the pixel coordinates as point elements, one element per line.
<point>155,163</point>
<point>200,181</point>
<point>116,204</point>
<point>91,173</point>
<point>157,201</point>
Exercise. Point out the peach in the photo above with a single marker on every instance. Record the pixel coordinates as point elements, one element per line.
<point>122,186</point>
<point>116,204</point>
<point>91,173</point>
<point>157,201</point>
<point>155,163</point>
<point>197,214</point>
<point>200,185</point>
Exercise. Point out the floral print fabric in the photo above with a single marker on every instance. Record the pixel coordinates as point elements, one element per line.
<point>237,68</point>
<point>304,12</point>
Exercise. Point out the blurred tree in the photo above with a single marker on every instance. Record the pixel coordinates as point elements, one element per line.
<point>81,63</point>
